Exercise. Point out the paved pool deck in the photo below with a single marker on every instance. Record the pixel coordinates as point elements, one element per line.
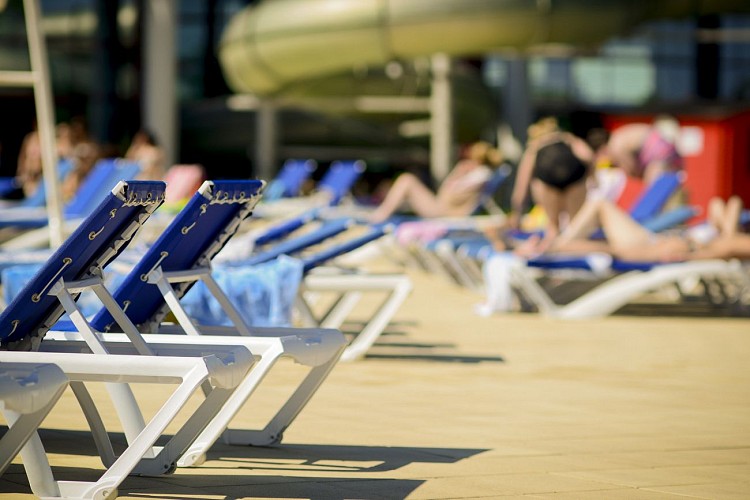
<point>451,405</point>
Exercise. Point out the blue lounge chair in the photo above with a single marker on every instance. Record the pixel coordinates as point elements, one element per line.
<point>33,221</point>
<point>335,185</point>
<point>339,179</point>
<point>77,265</point>
<point>647,209</point>
<point>169,268</point>
<point>318,247</point>
<point>8,185</point>
<point>289,181</point>
<point>39,197</point>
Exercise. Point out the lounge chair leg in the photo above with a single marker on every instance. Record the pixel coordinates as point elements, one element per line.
<point>337,314</point>
<point>374,328</point>
<point>34,458</point>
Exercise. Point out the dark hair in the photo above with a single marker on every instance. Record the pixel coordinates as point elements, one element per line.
<point>597,138</point>
<point>150,136</point>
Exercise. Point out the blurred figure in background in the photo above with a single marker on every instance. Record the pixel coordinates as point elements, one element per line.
<point>555,167</point>
<point>73,142</point>
<point>29,168</point>
<point>608,181</point>
<point>645,151</point>
<point>145,150</point>
<point>457,195</point>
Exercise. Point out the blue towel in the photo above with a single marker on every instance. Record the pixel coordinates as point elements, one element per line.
<point>263,294</point>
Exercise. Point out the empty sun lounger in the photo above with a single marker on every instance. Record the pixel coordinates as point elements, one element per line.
<point>335,185</point>
<point>174,263</point>
<point>102,178</point>
<point>289,181</point>
<point>348,286</point>
<point>77,265</point>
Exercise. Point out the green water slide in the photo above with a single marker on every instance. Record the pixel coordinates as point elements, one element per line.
<point>274,44</point>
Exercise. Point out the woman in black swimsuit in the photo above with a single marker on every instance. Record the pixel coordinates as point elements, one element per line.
<point>555,166</point>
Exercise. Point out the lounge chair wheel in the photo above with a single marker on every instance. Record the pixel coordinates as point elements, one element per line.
<point>106,494</point>
<point>192,460</point>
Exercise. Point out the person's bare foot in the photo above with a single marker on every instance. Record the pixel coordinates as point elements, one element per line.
<point>376,218</point>
<point>529,248</point>
<point>535,246</point>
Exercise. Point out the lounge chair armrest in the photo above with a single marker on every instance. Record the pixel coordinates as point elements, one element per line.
<point>26,388</point>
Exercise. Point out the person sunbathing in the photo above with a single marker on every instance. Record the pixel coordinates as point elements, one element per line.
<point>718,238</point>
<point>457,195</point>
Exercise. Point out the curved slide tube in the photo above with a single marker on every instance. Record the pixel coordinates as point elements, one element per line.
<point>274,43</point>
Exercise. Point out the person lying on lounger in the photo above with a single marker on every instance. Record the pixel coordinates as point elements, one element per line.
<point>718,238</point>
<point>457,195</point>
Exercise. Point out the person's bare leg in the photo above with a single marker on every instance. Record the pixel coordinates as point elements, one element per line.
<point>407,189</point>
<point>583,224</point>
<point>731,221</point>
<point>552,202</point>
<point>575,197</point>
<point>620,229</point>
<point>715,211</point>
<point>736,246</point>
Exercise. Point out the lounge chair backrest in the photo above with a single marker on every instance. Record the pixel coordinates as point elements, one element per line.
<point>653,198</point>
<point>285,227</point>
<point>670,218</point>
<point>290,179</point>
<point>95,186</point>
<point>96,241</point>
<point>39,197</point>
<point>340,178</point>
<point>299,245</point>
<point>331,252</point>
<point>295,245</point>
<point>490,188</point>
<point>8,185</point>
<point>190,241</point>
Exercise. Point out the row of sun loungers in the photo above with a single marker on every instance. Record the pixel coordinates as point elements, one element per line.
<point>128,341</point>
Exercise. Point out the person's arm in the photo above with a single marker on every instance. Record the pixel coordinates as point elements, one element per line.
<point>472,179</point>
<point>521,185</point>
<point>585,154</point>
<point>581,149</point>
<point>457,172</point>
<point>494,232</point>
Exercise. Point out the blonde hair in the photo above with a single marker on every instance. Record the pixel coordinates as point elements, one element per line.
<point>542,127</point>
<point>484,153</point>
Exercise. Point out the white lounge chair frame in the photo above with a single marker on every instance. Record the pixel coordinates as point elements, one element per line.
<point>180,366</point>
<point>348,288</point>
<point>621,289</point>
<point>216,374</point>
<point>319,348</point>
<point>28,391</point>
